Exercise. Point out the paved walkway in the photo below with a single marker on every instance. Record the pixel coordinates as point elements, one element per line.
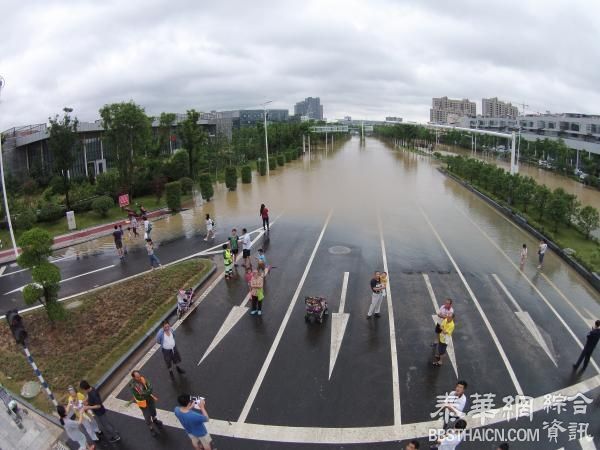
<point>37,432</point>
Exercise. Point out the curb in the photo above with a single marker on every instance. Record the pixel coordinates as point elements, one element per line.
<point>590,277</point>
<point>151,331</point>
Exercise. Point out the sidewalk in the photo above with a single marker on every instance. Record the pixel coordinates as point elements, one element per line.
<point>37,433</point>
<point>77,237</point>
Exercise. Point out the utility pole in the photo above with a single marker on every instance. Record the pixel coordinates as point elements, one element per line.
<point>6,209</point>
<point>264,105</point>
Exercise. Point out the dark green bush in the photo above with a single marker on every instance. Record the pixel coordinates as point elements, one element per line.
<point>49,212</point>
<point>187,184</point>
<point>173,192</point>
<point>102,204</point>
<point>261,165</point>
<point>246,174</point>
<point>280,159</point>
<point>206,187</point>
<point>107,183</point>
<point>24,220</point>
<point>272,162</point>
<point>231,178</point>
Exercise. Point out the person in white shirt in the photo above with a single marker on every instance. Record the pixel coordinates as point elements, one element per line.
<point>523,256</point>
<point>166,339</point>
<point>147,228</point>
<point>210,228</point>
<point>455,403</point>
<point>446,310</point>
<point>541,252</point>
<point>246,245</point>
<point>73,428</point>
<point>453,437</point>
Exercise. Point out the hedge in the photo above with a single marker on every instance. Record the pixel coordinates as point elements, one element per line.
<point>246,174</point>
<point>173,194</point>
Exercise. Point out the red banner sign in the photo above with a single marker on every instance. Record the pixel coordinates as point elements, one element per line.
<point>123,200</point>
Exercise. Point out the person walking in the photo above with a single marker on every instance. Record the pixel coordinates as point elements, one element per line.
<point>193,415</point>
<point>72,428</point>
<point>143,395</point>
<point>118,238</point>
<point>591,341</point>
<point>446,310</point>
<point>134,225</point>
<point>246,246</point>
<point>154,261</point>
<point>166,339</point>
<point>147,228</point>
<point>233,245</point>
<point>76,405</point>
<point>210,228</point>
<point>376,296</point>
<point>228,262</point>
<point>446,330</point>
<point>264,214</point>
<point>542,252</point>
<point>523,256</point>
<point>93,402</point>
<point>256,292</point>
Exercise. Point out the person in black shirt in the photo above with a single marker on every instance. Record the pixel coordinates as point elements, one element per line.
<point>118,237</point>
<point>590,344</point>
<point>94,404</point>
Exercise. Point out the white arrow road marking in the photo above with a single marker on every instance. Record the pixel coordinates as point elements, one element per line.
<point>587,443</point>
<point>527,321</point>
<point>263,371</point>
<point>450,342</point>
<point>339,321</point>
<point>236,313</point>
<point>67,279</point>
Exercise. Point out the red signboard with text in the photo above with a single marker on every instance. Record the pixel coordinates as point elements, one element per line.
<point>123,200</point>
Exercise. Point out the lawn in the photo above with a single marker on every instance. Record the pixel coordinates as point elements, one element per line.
<point>97,332</point>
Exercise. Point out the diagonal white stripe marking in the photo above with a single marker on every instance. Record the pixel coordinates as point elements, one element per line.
<point>338,326</point>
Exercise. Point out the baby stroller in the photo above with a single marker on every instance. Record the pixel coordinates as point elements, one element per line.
<point>316,309</point>
<point>185,299</point>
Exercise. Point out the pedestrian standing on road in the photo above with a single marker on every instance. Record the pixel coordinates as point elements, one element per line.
<point>143,211</point>
<point>541,252</point>
<point>76,405</point>
<point>147,228</point>
<point>446,310</point>
<point>454,404</point>
<point>118,238</point>
<point>228,262</point>
<point>134,225</point>
<point>523,256</point>
<point>193,415</point>
<point>210,228</point>
<point>154,261</point>
<point>256,292</point>
<point>446,330</point>
<point>412,445</point>
<point>591,341</point>
<point>143,395</point>
<point>376,297</point>
<point>261,261</point>
<point>248,277</point>
<point>264,214</point>
<point>73,428</point>
<point>94,403</point>
<point>233,245</point>
<point>383,280</point>
<point>453,437</point>
<point>246,246</point>
<point>166,339</point>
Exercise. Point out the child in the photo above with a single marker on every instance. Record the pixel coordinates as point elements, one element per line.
<point>261,260</point>
<point>248,276</point>
<point>523,256</point>
<point>228,261</point>
<point>383,280</point>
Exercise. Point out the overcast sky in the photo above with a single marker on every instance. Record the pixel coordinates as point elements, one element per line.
<point>367,59</point>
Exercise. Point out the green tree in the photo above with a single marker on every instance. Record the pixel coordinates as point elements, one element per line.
<point>231,178</point>
<point>192,138</point>
<point>63,143</point>
<point>102,205</point>
<point>173,192</point>
<point>541,198</point>
<point>36,246</point>
<point>525,192</point>
<point>206,188</point>
<point>588,219</point>
<point>128,132</point>
<point>246,174</point>
<point>558,208</point>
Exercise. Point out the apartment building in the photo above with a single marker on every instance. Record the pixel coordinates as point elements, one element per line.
<point>443,106</point>
<point>492,107</point>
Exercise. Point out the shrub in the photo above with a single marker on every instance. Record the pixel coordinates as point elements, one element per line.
<point>177,165</point>
<point>246,174</point>
<point>272,163</point>
<point>187,184</point>
<point>49,212</point>
<point>173,191</point>
<point>102,204</point>
<point>24,220</point>
<point>231,178</point>
<point>206,188</point>
<point>281,159</point>
<point>107,183</point>
<point>29,186</point>
<point>57,184</point>
<point>261,165</point>
<point>81,197</point>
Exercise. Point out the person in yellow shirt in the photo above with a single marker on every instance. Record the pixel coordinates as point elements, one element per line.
<point>446,330</point>
<point>75,405</point>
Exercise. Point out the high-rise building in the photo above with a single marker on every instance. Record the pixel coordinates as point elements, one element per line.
<point>442,106</point>
<point>310,107</point>
<point>492,107</point>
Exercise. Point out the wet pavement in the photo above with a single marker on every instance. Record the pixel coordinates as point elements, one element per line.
<point>360,208</point>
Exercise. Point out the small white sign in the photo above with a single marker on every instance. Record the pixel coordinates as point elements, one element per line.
<point>71,220</point>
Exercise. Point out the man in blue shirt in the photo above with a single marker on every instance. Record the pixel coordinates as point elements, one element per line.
<point>192,416</point>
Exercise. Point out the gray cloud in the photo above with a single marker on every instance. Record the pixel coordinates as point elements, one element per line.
<point>365,59</point>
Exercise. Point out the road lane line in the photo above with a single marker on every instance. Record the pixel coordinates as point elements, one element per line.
<point>511,372</point>
<point>508,294</point>
<point>339,321</point>
<point>393,349</point>
<point>2,269</point>
<point>587,443</point>
<point>533,286</point>
<point>263,371</point>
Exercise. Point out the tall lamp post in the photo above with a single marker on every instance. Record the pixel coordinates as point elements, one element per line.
<point>264,105</point>
<point>6,210</point>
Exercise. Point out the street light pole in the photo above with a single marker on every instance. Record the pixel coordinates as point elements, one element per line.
<point>266,137</point>
<point>6,209</point>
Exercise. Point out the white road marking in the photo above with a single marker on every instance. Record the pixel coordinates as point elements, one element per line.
<point>590,316</point>
<point>339,321</point>
<point>511,372</point>
<point>587,443</point>
<point>527,321</point>
<point>2,269</point>
<point>551,283</point>
<point>354,435</point>
<point>393,350</point>
<point>286,318</point>
<point>533,286</point>
<point>450,341</point>
<point>67,279</point>
<point>234,316</point>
